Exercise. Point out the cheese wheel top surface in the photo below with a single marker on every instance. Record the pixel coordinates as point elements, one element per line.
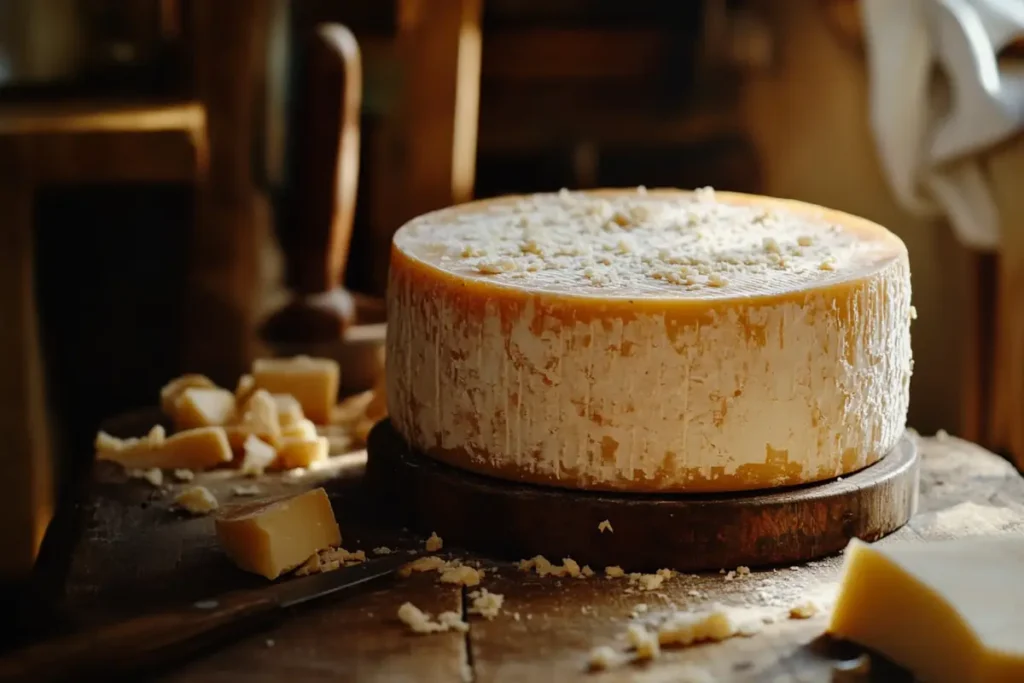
<point>654,245</point>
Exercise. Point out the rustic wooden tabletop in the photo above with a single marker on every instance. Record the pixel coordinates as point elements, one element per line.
<point>137,554</point>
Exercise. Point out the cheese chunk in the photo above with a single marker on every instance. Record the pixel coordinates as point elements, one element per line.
<point>649,341</point>
<point>289,410</point>
<point>294,453</point>
<point>949,611</point>
<point>170,392</point>
<point>258,455</point>
<point>272,538</point>
<point>312,381</point>
<point>196,500</point>
<point>193,449</point>
<point>303,429</point>
<point>203,407</point>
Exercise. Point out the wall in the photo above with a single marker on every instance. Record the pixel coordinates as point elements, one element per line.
<point>808,118</point>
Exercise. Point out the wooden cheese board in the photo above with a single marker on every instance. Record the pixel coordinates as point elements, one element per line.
<point>510,520</point>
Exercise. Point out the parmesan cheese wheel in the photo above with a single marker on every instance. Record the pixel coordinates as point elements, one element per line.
<point>649,341</point>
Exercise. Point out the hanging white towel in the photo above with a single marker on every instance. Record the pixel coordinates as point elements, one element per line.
<point>940,100</point>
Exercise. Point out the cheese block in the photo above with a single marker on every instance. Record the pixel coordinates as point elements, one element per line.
<point>649,341</point>
<point>203,407</point>
<point>312,381</point>
<point>272,538</point>
<point>193,449</point>
<point>948,611</point>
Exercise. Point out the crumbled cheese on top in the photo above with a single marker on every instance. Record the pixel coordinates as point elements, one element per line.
<point>638,242</point>
<point>605,526</point>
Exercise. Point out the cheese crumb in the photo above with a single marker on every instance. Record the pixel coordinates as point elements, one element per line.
<point>382,550</point>
<point>485,603</point>
<point>153,475</point>
<point>420,622</point>
<point>646,582</point>
<point>587,572</point>
<point>913,312</point>
<point>602,658</point>
<point>730,576</point>
<point>196,500</point>
<point>462,575</point>
<point>422,564</point>
<point>182,474</point>
<point>614,572</point>
<point>434,543</point>
<point>742,571</point>
<point>686,628</point>
<point>605,526</point>
<point>803,610</point>
<point>643,641</point>
<point>544,567</point>
<point>247,490</point>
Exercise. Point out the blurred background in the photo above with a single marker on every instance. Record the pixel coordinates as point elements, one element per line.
<point>158,159</point>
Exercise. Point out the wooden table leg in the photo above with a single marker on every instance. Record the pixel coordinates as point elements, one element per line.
<point>26,466</point>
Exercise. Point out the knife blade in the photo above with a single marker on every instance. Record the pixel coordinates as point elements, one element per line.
<point>144,645</point>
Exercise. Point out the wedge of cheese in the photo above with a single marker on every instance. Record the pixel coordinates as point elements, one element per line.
<point>312,381</point>
<point>949,611</point>
<point>272,538</point>
<point>649,341</point>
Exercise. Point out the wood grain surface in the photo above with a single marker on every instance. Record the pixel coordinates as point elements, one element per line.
<point>137,554</point>
<point>693,532</point>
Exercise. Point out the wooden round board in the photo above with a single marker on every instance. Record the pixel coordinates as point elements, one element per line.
<point>511,520</point>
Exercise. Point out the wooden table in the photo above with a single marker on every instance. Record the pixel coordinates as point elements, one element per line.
<point>135,554</point>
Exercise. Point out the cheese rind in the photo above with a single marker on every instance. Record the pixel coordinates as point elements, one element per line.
<point>757,369</point>
<point>949,611</point>
<point>312,381</point>
<point>272,538</point>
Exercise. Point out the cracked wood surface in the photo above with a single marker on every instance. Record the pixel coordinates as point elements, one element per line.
<point>135,554</point>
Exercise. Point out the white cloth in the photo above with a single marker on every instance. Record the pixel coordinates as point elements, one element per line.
<point>931,125</point>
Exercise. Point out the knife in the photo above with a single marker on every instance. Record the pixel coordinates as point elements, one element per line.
<point>143,645</point>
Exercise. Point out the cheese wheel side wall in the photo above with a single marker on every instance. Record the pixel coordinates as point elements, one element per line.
<point>719,395</point>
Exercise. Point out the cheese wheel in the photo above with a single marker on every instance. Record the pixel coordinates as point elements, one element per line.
<point>641,340</point>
